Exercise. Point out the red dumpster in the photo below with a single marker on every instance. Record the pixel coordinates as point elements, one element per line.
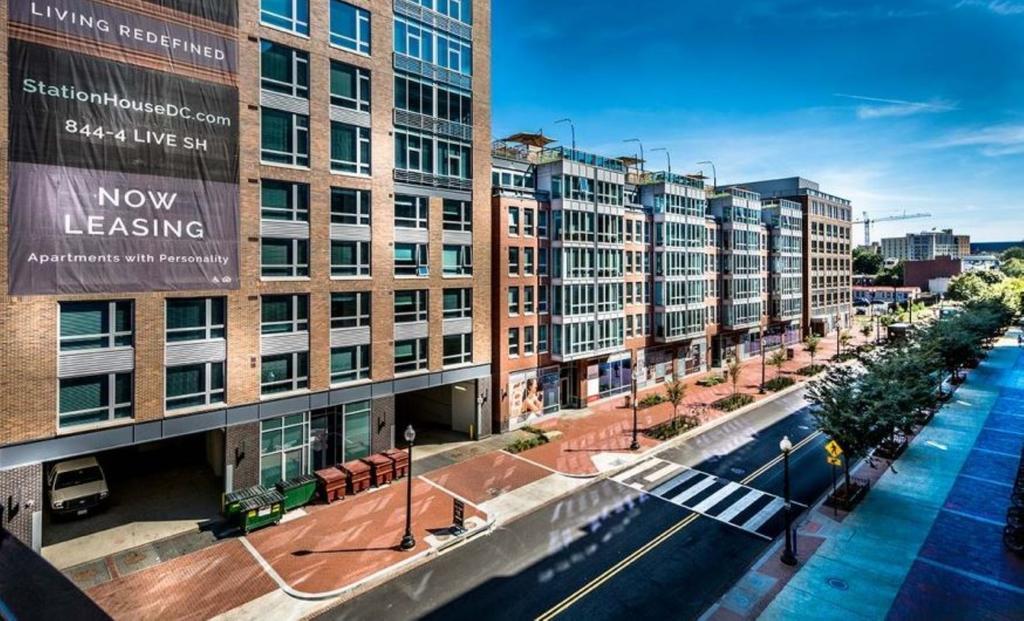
<point>383,469</point>
<point>357,474</point>
<point>400,459</point>
<point>331,482</point>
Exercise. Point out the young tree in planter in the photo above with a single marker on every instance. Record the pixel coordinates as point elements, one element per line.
<point>675,392</point>
<point>733,368</point>
<point>844,341</point>
<point>811,345</point>
<point>866,330</point>
<point>777,360</point>
<point>841,415</point>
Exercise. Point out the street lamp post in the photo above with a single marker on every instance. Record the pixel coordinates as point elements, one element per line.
<point>408,541</point>
<point>572,126</point>
<point>635,444</point>
<point>763,362</point>
<point>839,336</point>
<point>788,558</point>
<point>637,140</point>
<point>714,173</point>
<point>667,156</point>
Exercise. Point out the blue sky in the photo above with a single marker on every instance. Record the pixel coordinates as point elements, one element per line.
<point>913,105</point>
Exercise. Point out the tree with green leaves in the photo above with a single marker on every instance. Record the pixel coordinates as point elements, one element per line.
<point>838,409</point>
<point>733,368</point>
<point>866,330</point>
<point>777,360</point>
<point>675,392</point>
<point>844,341</point>
<point>1017,252</point>
<point>811,345</point>
<point>966,287</point>
<point>1013,268</point>
<point>867,261</point>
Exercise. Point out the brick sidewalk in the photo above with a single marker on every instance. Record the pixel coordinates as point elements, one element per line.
<point>487,476</point>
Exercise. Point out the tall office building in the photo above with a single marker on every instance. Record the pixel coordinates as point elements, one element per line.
<point>247,237</point>
<point>926,246</point>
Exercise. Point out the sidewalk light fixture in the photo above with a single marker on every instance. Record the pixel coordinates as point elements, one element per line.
<point>639,142</point>
<point>635,444</point>
<point>788,558</point>
<point>408,541</point>
<point>572,126</point>
<point>763,362</point>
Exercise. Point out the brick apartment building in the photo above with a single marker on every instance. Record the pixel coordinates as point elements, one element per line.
<point>333,159</point>
<point>602,267</point>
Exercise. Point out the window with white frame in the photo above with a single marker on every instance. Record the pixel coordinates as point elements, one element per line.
<point>414,151</point>
<point>195,319</point>
<point>411,259</point>
<point>284,138</point>
<point>290,15</point>
<point>528,226</point>
<point>528,264</point>
<point>513,342</point>
<point>422,42</point>
<point>350,258</point>
<point>350,309</point>
<point>513,221</point>
<point>542,339</point>
<point>284,200</point>
<point>457,260</point>
<point>410,355</point>
<point>513,261</point>
<point>457,349</point>
<point>458,303</point>
<point>528,299</point>
<point>542,261</point>
<point>542,223</point>
<point>350,364</point>
<point>529,346</point>
<point>350,86</point>
<point>411,305</point>
<point>284,448</point>
<point>457,215</point>
<point>94,399</point>
<point>284,70</point>
<point>284,373</point>
<point>542,299</point>
<point>350,148</point>
<point>350,206</point>
<point>284,258</point>
<point>281,314</point>
<point>513,300</point>
<point>194,385</point>
<point>96,325</point>
<point>411,212</point>
<point>350,27</point>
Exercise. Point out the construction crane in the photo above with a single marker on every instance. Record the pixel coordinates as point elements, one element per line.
<point>868,221</point>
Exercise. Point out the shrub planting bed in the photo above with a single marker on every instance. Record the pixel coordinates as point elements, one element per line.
<point>811,370</point>
<point>733,402</point>
<point>672,428</point>
<point>779,383</point>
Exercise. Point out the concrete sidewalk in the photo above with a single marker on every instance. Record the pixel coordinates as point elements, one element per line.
<point>925,541</point>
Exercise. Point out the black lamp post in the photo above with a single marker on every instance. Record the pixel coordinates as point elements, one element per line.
<point>408,541</point>
<point>763,361</point>
<point>788,558</point>
<point>635,444</point>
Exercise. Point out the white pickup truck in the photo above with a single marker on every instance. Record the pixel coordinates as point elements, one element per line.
<point>76,486</point>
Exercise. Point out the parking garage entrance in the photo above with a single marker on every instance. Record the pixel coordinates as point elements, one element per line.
<point>443,417</point>
<point>156,490</point>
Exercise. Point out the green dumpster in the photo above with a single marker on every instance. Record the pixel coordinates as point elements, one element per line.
<point>297,491</point>
<point>232,499</point>
<point>260,511</point>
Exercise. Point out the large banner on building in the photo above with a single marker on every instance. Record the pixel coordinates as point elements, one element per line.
<point>123,146</point>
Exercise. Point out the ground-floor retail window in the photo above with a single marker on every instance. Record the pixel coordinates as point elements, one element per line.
<point>340,434</point>
<point>94,399</point>
<point>194,385</point>
<point>615,377</point>
<point>284,448</point>
<point>285,372</point>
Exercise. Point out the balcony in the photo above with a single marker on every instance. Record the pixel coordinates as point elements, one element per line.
<point>433,18</point>
<point>555,154</point>
<point>432,71</point>
<point>433,181</point>
<point>434,125</point>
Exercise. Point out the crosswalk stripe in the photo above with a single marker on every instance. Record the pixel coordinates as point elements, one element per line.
<point>638,469</point>
<point>662,473</point>
<point>763,515</point>
<point>678,480</point>
<point>692,491</point>
<point>738,507</point>
<point>715,498</point>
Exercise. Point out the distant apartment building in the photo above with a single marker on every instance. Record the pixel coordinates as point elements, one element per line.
<point>926,246</point>
<point>826,247</point>
<point>323,278</point>
<point>602,268</point>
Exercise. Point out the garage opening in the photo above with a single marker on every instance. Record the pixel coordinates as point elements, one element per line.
<point>444,417</point>
<point>154,491</point>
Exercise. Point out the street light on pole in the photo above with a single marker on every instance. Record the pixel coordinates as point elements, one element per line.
<point>788,558</point>
<point>668,156</point>
<point>572,126</point>
<point>408,541</point>
<point>763,360</point>
<point>637,140</point>
<point>635,444</point>
<point>714,174</point>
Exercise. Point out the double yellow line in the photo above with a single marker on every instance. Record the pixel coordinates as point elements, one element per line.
<point>653,543</point>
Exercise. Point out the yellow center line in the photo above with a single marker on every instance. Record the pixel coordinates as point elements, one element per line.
<point>617,568</point>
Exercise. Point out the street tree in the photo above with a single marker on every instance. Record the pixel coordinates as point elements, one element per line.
<point>811,345</point>
<point>777,360</point>
<point>675,392</point>
<point>840,414</point>
<point>733,368</point>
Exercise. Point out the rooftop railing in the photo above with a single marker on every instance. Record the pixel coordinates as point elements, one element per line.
<point>555,154</point>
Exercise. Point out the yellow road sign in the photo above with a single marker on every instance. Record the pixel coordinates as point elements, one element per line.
<point>833,449</point>
<point>835,461</point>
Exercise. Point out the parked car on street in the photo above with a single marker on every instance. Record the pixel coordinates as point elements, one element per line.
<point>76,486</point>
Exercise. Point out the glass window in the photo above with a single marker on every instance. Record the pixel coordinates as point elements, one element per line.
<point>284,313</point>
<point>350,86</point>
<point>350,27</point>
<point>422,42</point>
<point>357,430</point>
<point>513,341</point>
<point>528,343</point>
<point>458,303</point>
<point>457,215</point>
<point>350,309</point>
<point>542,299</point>
<point>411,305</point>
<point>194,385</point>
<point>350,258</point>
<point>528,299</point>
<point>411,260</point>
<point>411,212</point>
<point>284,258</point>
<point>283,200</point>
<point>195,319</point>
<point>350,206</point>
<point>414,151</point>
<point>528,265</point>
<point>284,70</point>
<point>94,399</point>
<point>457,260</point>
<point>528,228</point>
<point>284,448</point>
<point>284,138</point>
<point>349,364</point>
<point>513,261</point>
<point>410,355</point>
<point>291,15</point>
<point>284,372</point>
<point>513,300</point>
<point>350,148</point>
<point>542,339</point>
<point>458,349</point>
<point>95,325</point>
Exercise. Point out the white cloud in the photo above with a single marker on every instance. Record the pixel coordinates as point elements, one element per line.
<point>999,7</point>
<point>889,108</point>
<point>992,141</point>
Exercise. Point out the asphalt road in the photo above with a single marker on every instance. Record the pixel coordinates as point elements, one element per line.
<point>609,551</point>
